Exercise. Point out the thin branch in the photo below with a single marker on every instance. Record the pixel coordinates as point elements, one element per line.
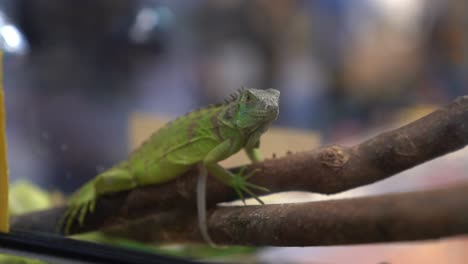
<point>326,170</point>
<point>386,218</point>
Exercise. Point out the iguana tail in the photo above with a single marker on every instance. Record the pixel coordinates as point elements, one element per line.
<point>201,205</point>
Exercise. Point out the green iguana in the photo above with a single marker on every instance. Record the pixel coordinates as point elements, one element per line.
<point>203,137</point>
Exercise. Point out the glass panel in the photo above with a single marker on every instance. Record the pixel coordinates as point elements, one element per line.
<point>88,82</point>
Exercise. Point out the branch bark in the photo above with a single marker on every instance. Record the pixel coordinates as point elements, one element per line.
<point>327,170</point>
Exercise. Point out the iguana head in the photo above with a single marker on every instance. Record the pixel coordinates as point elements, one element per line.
<point>254,108</point>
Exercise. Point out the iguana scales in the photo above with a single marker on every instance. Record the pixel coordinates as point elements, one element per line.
<point>203,137</point>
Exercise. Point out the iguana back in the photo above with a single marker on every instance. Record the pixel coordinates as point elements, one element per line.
<point>179,144</point>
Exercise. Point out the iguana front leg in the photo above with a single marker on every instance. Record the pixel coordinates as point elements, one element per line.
<point>254,154</point>
<point>236,181</point>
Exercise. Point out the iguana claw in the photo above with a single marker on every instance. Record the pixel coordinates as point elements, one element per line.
<point>240,185</point>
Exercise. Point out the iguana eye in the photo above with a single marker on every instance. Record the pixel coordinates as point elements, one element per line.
<point>247,98</point>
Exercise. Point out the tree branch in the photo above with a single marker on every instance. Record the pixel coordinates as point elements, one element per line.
<point>395,217</point>
<point>326,170</point>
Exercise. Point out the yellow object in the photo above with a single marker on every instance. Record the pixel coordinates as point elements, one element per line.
<point>4,219</point>
<point>25,197</point>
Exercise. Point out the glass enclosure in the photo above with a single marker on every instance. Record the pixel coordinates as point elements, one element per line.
<point>86,82</point>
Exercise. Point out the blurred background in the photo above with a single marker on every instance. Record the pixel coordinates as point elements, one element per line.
<point>76,70</point>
